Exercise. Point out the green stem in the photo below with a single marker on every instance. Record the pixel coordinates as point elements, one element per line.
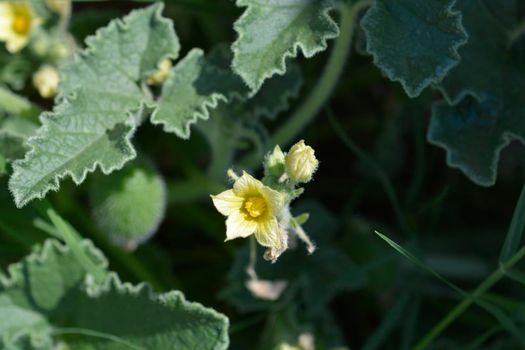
<point>324,87</point>
<point>17,105</point>
<point>305,113</point>
<point>469,300</point>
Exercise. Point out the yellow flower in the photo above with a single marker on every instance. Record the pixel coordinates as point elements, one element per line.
<point>162,73</point>
<point>252,208</point>
<point>300,162</point>
<point>17,20</point>
<point>46,81</point>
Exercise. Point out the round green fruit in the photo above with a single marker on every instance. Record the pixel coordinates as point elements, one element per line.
<point>128,205</point>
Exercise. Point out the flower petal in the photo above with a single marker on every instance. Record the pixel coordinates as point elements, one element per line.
<point>270,234</point>
<point>227,202</point>
<point>274,199</point>
<point>246,184</point>
<point>5,20</point>
<point>237,226</point>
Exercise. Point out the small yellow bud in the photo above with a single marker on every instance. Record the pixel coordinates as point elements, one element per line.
<point>46,81</point>
<point>300,162</point>
<point>62,7</point>
<point>162,73</point>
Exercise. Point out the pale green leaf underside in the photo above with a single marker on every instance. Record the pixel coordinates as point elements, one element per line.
<point>47,294</point>
<point>414,42</point>
<point>194,86</point>
<point>269,31</point>
<point>99,98</point>
<point>485,92</point>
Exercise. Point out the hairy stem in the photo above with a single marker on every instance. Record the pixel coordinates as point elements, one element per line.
<point>306,112</point>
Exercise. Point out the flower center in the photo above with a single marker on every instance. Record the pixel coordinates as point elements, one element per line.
<point>21,22</point>
<point>255,206</point>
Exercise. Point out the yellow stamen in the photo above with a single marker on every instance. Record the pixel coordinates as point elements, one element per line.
<point>255,206</point>
<point>21,21</point>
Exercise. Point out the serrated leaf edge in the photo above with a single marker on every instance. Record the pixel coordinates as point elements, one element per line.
<point>290,53</point>
<point>54,184</point>
<point>123,23</point>
<point>40,254</point>
<point>91,43</point>
<point>428,81</point>
<point>202,112</point>
<point>506,139</point>
<point>94,290</point>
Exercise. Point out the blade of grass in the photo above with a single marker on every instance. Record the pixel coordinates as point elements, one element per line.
<point>468,299</point>
<point>476,343</point>
<point>516,275</point>
<point>515,232</point>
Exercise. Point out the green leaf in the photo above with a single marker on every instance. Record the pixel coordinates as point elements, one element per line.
<point>146,319</point>
<point>48,294</point>
<point>271,31</point>
<point>100,104</point>
<point>274,96</point>
<point>484,91</point>
<point>515,233</point>
<point>414,42</point>
<point>36,290</point>
<point>487,50</point>
<point>195,85</point>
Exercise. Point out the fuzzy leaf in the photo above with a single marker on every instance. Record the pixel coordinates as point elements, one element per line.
<point>414,42</point>
<point>40,289</point>
<point>195,85</point>
<point>138,316</point>
<point>485,92</point>
<point>47,293</point>
<point>100,102</point>
<point>270,31</point>
<point>274,96</point>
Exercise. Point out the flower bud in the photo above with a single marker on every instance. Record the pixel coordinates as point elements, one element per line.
<point>158,77</point>
<point>46,81</point>
<point>300,162</point>
<point>274,163</point>
<point>62,7</point>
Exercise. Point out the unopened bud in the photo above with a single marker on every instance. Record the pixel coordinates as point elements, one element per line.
<point>62,7</point>
<point>300,162</point>
<point>46,81</point>
<point>158,77</point>
<point>274,163</point>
